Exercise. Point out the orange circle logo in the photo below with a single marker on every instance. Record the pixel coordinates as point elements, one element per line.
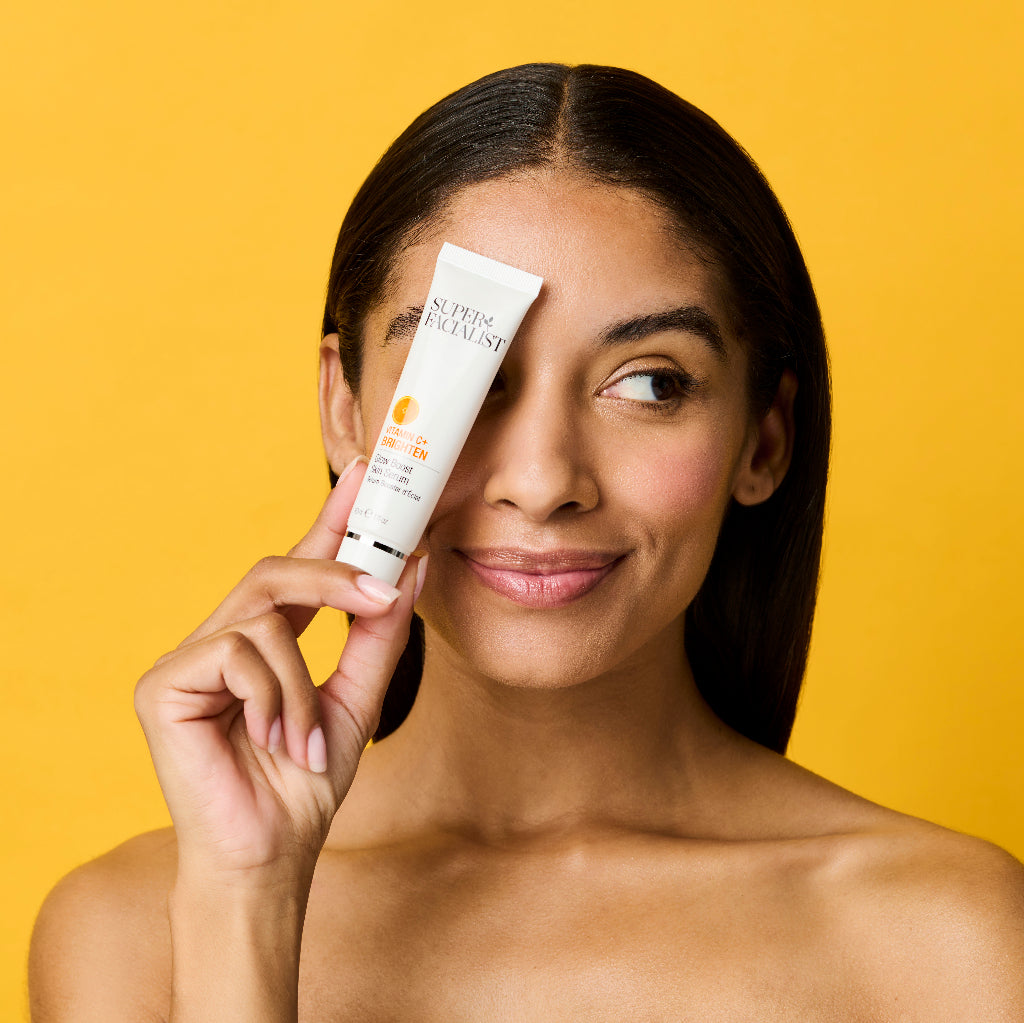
<point>406,410</point>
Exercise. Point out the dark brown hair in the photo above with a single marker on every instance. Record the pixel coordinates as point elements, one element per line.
<point>749,628</point>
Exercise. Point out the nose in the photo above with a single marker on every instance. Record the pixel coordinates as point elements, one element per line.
<point>538,461</point>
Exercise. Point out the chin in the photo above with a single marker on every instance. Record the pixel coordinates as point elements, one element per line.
<point>548,652</point>
<point>619,624</point>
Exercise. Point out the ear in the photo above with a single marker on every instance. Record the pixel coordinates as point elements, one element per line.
<point>340,422</point>
<point>770,448</point>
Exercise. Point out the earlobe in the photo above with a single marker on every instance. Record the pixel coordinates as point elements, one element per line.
<point>340,422</point>
<point>770,450</point>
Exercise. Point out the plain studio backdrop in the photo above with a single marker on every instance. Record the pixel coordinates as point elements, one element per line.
<point>172,181</point>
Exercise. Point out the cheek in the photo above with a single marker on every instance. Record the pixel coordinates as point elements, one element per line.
<point>680,480</point>
<point>676,498</point>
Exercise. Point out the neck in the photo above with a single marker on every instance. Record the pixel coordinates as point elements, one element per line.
<point>636,747</point>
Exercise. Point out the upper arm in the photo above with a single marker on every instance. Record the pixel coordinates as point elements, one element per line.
<point>101,947</point>
<point>984,937</point>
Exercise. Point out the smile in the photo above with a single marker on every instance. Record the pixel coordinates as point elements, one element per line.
<point>547,579</point>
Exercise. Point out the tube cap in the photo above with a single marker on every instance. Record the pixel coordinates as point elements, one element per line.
<point>365,552</point>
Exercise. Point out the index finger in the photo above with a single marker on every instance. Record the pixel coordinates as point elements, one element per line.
<point>325,535</point>
<point>309,578</point>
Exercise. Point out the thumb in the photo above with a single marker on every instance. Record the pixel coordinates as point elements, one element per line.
<point>352,697</point>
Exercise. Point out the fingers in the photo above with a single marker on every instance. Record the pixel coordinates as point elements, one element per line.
<point>325,535</point>
<point>255,662</point>
<point>206,679</point>
<point>245,656</point>
<point>297,588</point>
<point>298,709</point>
<point>298,585</point>
<point>354,693</point>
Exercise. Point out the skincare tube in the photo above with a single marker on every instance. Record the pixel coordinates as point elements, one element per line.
<point>471,314</point>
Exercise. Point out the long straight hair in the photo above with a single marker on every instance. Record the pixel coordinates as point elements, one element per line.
<point>748,630</point>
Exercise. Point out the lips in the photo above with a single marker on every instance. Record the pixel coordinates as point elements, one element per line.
<point>540,579</point>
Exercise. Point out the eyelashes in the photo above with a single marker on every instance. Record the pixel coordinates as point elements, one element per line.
<point>664,387</point>
<point>661,389</point>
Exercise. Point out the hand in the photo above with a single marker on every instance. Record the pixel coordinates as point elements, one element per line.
<point>254,759</point>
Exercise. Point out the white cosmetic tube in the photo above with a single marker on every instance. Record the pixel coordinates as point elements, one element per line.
<point>471,314</point>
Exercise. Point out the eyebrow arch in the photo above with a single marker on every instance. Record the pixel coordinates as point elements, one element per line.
<point>690,318</point>
<point>404,324</point>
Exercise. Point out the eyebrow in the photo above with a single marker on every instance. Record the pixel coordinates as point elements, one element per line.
<point>691,319</point>
<point>404,324</point>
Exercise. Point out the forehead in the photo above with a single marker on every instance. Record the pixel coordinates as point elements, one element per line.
<point>604,252</point>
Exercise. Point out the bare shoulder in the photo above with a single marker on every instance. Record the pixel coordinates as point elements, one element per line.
<point>923,923</point>
<point>937,920</point>
<point>101,944</point>
<point>970,890</point>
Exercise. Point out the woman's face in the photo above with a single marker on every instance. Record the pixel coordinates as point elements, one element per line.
<point>582,515</point>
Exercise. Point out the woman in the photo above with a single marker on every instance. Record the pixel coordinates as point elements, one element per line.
<point>578,808</point>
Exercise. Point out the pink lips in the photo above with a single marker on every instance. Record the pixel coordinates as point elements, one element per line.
<point>547,579</point>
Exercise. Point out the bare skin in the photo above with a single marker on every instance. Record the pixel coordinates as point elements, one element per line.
<point>897,920</point>
<point>561,828</point>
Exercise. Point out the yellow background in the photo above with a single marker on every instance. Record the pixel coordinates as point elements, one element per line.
<point>173,178</point>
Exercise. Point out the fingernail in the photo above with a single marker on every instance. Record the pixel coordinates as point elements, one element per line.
<point>351,465</point>
<point>377,589</point>
<point>316,751</point>
<point>274,739</point>
<point>421,578</point>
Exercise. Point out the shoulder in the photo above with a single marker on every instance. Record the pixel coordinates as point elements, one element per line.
<point>925,923</point>
<point>936,920</point>
<point>101,944</point>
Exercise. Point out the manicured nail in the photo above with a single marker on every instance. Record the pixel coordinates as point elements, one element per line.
<point>316,751</point>
<point>274,738</point>
<point>376,589</point>
<point>421,578</point>
<point>351,465</point>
